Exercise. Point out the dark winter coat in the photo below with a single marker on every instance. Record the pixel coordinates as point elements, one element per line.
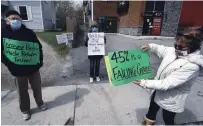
<point>22,35</point>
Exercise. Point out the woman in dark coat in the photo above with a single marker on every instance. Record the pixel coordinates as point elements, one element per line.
<point>94,59</point>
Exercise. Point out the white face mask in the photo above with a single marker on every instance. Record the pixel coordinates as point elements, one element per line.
<point>180,53</point>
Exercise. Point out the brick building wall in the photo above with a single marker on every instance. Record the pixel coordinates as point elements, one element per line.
<point>131,23</point>
<point>133,17</point>
<point>103,8</point>
<point>191,14</point>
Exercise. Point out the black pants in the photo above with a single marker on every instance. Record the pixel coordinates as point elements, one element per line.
<point>153,109</point>
<point>94,67</point>
<point>22,86</point>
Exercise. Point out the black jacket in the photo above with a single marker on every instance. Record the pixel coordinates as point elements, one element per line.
<point>96,56</point>
<point>23,34</point>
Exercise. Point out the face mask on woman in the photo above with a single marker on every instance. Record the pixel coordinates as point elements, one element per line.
<point>180,51</point>
<point>94,29</point>
<point>15,24</point>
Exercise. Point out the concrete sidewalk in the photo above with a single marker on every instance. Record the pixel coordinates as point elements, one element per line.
<point>94,104</point>
<point>89,104</point>
<point>109,105</point>
<point>60,101</point>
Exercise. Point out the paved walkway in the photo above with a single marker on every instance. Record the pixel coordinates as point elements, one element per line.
<point>99,103</point>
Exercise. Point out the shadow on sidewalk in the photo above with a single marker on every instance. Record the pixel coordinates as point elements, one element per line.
<point>64,99</point>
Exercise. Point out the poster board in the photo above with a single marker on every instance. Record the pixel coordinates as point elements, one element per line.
<point>126,66</point>
<point>21,52</point>
<point>61,38</point>
<point>69,35</point>
<point>96,44</point>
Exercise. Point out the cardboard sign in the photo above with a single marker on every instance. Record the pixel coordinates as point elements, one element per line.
<point>61,38</point>
<point>96,44</point>
<point>126,66</point>
<point>21,52</point>
<point>69,35</point>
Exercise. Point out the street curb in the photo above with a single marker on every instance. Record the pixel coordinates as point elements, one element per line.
<point>147,37</point>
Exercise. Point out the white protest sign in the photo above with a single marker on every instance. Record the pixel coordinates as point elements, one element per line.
<point>96,44</point>
<point>61,39</point>
<point>69,35</point>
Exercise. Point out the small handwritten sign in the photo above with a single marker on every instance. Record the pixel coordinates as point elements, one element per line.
<point>69,35</point>
<point>21,52</point>
<point>126,66</point>
<point>61,38</point>
<point>96,44</point>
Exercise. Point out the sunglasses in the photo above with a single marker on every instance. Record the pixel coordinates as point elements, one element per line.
<point>179,47</point>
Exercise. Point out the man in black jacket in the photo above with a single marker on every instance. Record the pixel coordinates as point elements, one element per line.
<point>22,53</point>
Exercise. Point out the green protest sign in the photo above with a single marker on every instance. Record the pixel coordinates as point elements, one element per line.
<point>126,66</point>
<point>21,52</point>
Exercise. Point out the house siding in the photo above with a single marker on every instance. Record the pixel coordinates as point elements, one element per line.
<point>36,22</point>
<point>49,14</point>
<point>5,3</point>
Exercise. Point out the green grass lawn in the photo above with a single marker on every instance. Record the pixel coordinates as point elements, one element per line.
<point>50,38</point>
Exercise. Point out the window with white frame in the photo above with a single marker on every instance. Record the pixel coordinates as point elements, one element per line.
<point>25,12</point>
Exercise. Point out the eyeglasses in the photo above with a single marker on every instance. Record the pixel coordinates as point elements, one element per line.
<point>179,47</point>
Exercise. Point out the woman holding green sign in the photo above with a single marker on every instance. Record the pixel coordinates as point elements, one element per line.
<point>179,69</point>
